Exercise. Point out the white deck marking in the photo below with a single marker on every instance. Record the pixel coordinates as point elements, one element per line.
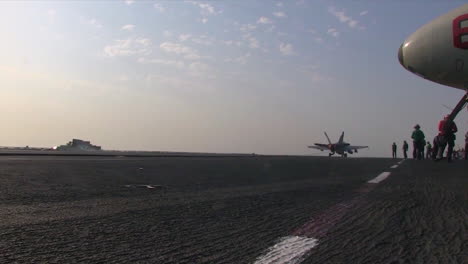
<point>394,166</point>
<point>293,249</point>
<point>290,249</point>
<point>382,176</point>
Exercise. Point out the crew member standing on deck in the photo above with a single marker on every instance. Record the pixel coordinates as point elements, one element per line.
<point>466,145</point>
<point>447,130</point>
<point>428,150</point>
<point>394,148</point>
<point>405,149</point>
<point>418,142</point>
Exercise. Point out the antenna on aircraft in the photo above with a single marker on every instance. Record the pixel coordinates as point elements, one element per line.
<point>451,109</point>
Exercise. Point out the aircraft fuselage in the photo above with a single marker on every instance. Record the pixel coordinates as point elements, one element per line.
<point>438,51</point>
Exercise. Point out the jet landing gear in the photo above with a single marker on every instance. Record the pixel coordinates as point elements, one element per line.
<point>461,104</point>
<point>344,155</point>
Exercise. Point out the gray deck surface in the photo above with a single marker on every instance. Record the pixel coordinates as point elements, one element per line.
<point>230,209</point>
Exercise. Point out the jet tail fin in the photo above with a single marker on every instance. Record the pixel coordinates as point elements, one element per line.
<point>341,138</point>
<point>329,142</point>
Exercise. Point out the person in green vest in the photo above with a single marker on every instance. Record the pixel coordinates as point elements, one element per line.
<point>419,141</point>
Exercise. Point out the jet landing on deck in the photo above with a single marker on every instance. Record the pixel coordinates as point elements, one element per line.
<point>341,147</point>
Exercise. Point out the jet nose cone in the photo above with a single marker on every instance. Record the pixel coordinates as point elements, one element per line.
<point>400,55</point>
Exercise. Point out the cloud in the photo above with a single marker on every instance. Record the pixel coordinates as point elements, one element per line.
<point>300,2</point>
<point>94,22</point>
<point>204,20</point>
<point>286,49</point>
<point>232,43</point>
<point>128,27</point>
<point>247,28</point>
<point>279,4</point>
<point>159,7</point>
<point>184,37</point>
<point>206,9</point>
<point>129,2</point>
<point>199,69</point>
<point>279,14</point>
<point>123,78</point>
<point>312,72</point>
<point>318,77</point>
<point>168,81</point>
<point>333,32</point>
<point>51,13</point>
<point>179,49</point>
<point>167,34</point>
<point>143,41</point>
<point>173,63</point>
<point>342,17</point>
<point>264,20</point>
<point>128,47</point>
<point>203,40</point>
<point>316,35</point>
<point>363,13</point>
<point>202,71</point>
<point>253,43</point>
<point>241,60</point>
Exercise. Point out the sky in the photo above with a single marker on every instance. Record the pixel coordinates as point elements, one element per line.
<point>234,76</point>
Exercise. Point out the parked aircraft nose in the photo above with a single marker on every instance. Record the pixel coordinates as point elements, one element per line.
<point>415,56</point>
<point>406,56</point>
<point>436,51</point>
<point>400,55</point>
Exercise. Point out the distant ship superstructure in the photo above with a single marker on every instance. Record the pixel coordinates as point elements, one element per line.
<point>80,145</point>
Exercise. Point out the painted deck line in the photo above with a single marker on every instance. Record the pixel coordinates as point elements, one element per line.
<point>394,166</point>
<point>295,248</point>
<point>319,225</point>
<point>289,249</point>
<point>382,176</point>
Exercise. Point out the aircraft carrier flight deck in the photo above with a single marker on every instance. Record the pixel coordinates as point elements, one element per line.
<point>232,210</point>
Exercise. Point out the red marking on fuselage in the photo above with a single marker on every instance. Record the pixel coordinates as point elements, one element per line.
<point>459,32</point>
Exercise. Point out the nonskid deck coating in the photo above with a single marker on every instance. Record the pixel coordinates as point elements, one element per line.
<point>214,211</point>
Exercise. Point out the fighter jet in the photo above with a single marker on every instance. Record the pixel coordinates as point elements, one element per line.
<point>339,147</point>
<point>438,51</point>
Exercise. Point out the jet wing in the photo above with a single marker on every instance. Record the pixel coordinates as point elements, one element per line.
<point>319,146</point>
<point>357,147</point>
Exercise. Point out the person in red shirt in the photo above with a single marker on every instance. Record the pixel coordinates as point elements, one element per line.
<point>447,130</point>
<point>466,146</point>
